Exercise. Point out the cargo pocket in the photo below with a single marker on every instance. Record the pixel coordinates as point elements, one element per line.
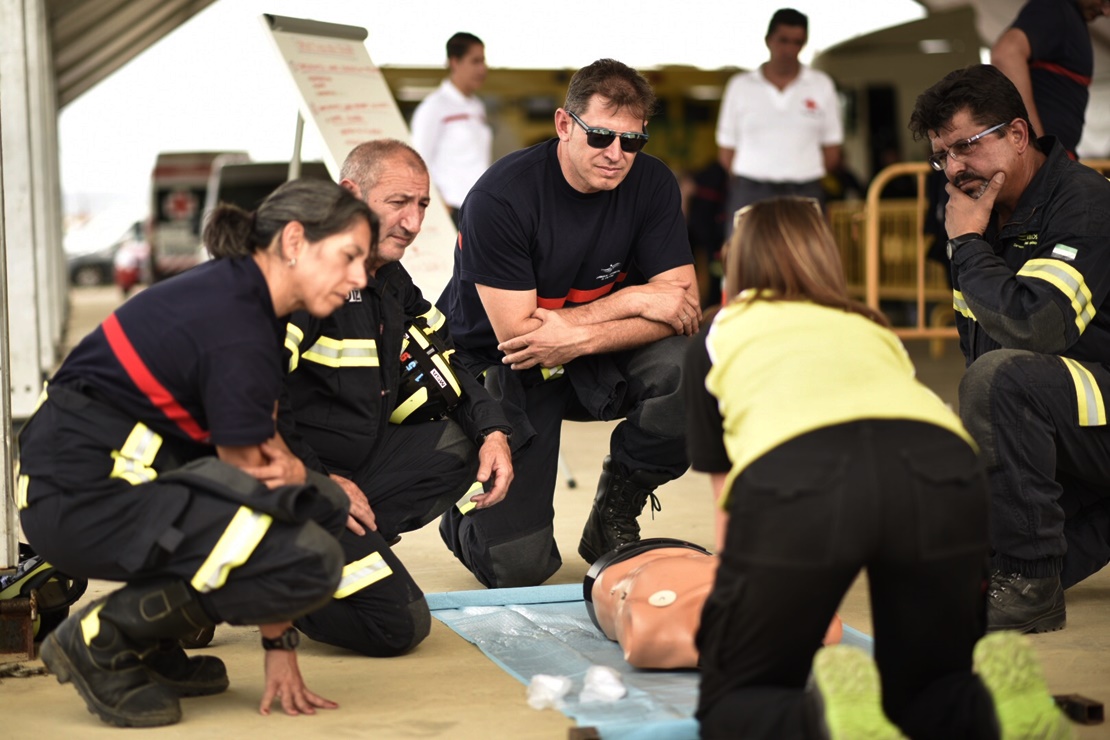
<point>788,515</point>
<point>950,494</point>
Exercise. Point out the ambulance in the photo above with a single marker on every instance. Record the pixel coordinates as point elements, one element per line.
<point>179,184</point>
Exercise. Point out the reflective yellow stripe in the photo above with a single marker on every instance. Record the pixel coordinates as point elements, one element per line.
<point>410,404</point>
<point>293,338</point>
<point>235,545</point>
<point>464,504</point>
<point>362,573</point>
<point>22,482</point>
<point>551,372</point>
<point>1069,281</point>
<point>1088,397</point>
<point>90,624</point>
<point>343,353</point>
<point>438,361</point>
<point>960,305</point>
<point>41,399</point>
<point>434,318</point>
<point>133,461</point>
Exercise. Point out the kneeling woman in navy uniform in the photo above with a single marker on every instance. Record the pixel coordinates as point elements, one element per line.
<point>153,460</point>
<point>826,456</point>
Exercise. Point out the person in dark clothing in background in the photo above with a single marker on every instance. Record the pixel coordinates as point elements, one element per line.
<point>1047,54</point>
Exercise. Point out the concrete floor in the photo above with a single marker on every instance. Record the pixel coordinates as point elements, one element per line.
<point>447,688</point>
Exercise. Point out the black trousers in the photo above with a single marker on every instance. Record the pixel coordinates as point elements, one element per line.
<point>1047,463</point>
<point>415,474</point>
<point>513,543</point>
<point>89,519</point>
<point>905,500</point>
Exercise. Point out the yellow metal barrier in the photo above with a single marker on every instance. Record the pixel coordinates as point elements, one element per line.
<point>895,264</point>
<point>893,251</point>
<point>882,245</point>
<point>1099,165</point>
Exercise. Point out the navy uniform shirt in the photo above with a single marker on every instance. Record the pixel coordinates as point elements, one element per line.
<point>196,357</point>
<point>523,227</point>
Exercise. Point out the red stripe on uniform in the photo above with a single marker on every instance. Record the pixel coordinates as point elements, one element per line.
<point>146,382</point>
<point>1056,69</point>
<point>456,117</point>
<point>580,296</point>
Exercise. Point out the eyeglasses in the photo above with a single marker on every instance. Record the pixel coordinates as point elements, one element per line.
<point>600,138</point>
<point>960,149</point>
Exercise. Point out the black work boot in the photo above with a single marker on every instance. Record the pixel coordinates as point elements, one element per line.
<point>200,675</point>
<point>1015,602</point>
<point>620,499</point>
<point>198,639</point>
<point>102,648</point>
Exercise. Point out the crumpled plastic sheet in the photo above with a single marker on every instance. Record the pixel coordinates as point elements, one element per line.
<point>546,629</point>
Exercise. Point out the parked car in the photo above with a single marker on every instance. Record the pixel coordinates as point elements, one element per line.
<point>92,268</point>
<point>92,250</point>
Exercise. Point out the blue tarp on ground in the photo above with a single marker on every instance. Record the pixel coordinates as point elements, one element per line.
<point>546,629</point>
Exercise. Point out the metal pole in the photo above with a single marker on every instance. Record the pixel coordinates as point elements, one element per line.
<point>295,162</point>
<point>9,549</point>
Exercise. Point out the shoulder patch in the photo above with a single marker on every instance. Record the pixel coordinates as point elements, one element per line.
<point>1064,252</point>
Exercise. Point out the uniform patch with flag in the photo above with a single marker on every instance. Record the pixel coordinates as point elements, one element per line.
<point>1064,252</point>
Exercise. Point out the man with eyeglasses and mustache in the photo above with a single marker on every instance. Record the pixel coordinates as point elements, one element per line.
<point>1029,243</point>
<point>573,292</point>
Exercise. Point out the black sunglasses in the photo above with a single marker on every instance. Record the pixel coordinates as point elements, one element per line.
<point>600,138</point>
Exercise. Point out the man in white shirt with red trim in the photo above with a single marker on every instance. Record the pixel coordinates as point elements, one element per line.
<point>779,129</point>
<point>449,127</point>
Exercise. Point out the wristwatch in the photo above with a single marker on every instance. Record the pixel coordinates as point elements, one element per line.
<point>958,241</point>
<point>287,640</point>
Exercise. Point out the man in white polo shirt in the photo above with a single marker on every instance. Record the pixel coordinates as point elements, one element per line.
<point>449,127</point>
<point>779,129</point>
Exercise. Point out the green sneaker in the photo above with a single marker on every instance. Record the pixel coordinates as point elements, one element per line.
<point>848,683</point>
<point>1007,665</point>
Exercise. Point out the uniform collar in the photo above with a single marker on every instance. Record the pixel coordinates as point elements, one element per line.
<point>450,90</point>
<point>1044,182</point>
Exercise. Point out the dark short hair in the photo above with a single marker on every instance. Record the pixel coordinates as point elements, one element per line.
<point>619,84</point>
<point>320,206</point>
<point>982,90</point>
<point>459,44</point>
<point>364,164</point>
<point>787,17</point>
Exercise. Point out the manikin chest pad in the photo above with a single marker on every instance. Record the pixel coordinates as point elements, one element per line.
<point>428,387</point>
<point>648,597</point>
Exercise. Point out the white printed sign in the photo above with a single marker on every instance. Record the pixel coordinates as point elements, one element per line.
<point>346,97</point>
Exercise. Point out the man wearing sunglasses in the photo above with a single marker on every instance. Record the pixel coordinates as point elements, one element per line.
<point>1029,241</point>
<point>779,128</point>
<point>572,293</point>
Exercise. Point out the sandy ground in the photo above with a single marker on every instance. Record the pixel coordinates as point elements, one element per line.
<point>446,688</point>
